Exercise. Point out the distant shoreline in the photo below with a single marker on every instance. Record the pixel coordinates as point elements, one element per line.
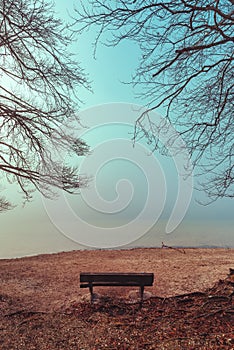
<point>208,247</point>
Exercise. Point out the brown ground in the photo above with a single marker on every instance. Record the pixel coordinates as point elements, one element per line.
<point>42,306</point>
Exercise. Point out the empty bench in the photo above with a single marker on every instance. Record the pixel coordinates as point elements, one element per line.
<point>116,279</point>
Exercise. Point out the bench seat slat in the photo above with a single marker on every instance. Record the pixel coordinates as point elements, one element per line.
<point>113,284</point>
<point>138,278</point>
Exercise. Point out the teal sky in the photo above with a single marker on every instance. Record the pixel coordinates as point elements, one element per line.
<point>30,230</point>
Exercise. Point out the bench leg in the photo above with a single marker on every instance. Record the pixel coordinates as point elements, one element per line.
<point>141,293</point>
<point>91,293</point>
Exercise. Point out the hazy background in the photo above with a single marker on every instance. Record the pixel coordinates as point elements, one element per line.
<point>28,230</point>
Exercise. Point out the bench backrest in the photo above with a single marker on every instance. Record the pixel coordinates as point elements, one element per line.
<point>146,279</point>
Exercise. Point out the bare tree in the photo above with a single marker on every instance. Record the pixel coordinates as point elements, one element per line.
<point>39,78</point>
<point>185,72</point>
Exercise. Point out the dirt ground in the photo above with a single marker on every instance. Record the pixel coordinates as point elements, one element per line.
<point>46,282</point>
<point>36,292</point>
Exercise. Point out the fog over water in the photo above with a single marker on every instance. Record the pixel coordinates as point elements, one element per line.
<point>121,180</point>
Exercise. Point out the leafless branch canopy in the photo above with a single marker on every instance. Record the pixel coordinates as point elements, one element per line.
<point>37,98</point>
<point>185,71</point>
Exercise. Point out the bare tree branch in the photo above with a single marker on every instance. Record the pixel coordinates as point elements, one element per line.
<point>39,80</point>
<point>186,71</point>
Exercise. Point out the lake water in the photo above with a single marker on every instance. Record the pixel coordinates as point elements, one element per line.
<point>45,238</point>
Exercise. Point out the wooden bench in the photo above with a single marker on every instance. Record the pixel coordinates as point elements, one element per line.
<point>115,279</point>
